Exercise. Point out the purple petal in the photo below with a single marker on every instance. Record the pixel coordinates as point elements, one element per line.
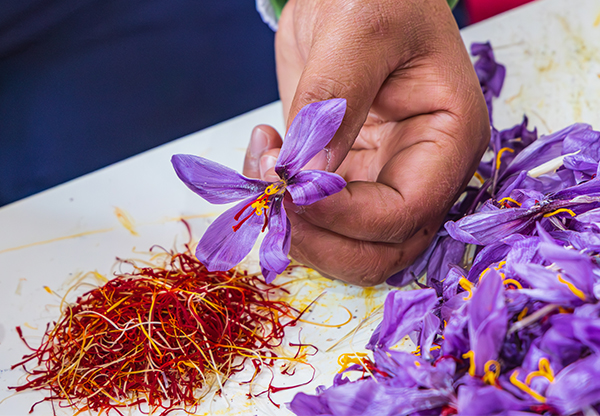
<point>221,248</point>
<point>576,387</point>
<point>310,186</point>
<point>276,245</point>
<point>545,285</point>
<point>483,228</point>
<point>488,319</point>
<point>311,130</point>
<point>448,253</point>
<point>542,150</point>
<point>576,265</point>
<point>216,183</point>
<point>488,400</point>
<point>403,313</point>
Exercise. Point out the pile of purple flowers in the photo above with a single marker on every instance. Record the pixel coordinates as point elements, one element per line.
<point>514,331</point>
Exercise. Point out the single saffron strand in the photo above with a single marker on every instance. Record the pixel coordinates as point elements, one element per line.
<point>500,153</point>
<point>544,370</point>
<point>513,282</point>
<point>467,286</point>
<point>511,200</point>
<point>558,211</point>
<point>523,313</point>
<point>328,325</point>
<point>471,356</point>
<point>524,387</point>
<point>490,376</point>
<point>577,292</point>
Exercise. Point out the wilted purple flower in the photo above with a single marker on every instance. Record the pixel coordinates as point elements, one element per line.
<point>231,236</point>
<point>403,313</point>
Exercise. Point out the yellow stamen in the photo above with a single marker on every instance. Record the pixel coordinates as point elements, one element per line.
<point>435,347</point>
<point>417,364</point>
<point>271,189</point>
<point>347,359</point>
<point>471,356</point>
<point>522,313</point>
<point>479,177</point>
<point>483,273</point>
<point>417,352</point>
<point>500,152</point>
<point>544,370</point>
<point>491,376</point>
<point>558,211</point>
<point>511,200</point>
<point>500,265</point>
<point>572,288</point>
<point>519,384</point>
<point>466,285</point>
<point>513,282</point>
<point>564,310</point>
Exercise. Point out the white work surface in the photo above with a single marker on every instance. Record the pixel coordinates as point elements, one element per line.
<point>551,49</point>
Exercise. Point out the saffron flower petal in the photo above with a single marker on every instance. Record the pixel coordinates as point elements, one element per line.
<point>403,313</point>
<point>576,387</point>
<point>214,182</point>
<point>309,186</point>
<point>487,320</point>
<point>276,245</point>
<point>221,248</point>
<point>315,124</point>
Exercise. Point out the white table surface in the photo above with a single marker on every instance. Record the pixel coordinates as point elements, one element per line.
<point>551,49</point>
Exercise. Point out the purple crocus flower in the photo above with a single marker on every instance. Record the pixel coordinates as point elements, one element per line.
<point>232,235</point>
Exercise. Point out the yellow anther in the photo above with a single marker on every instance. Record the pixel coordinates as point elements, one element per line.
<point>514,283</point>
<point>271,189</point>
<point>483,273</point>
<point>511,200</point>
<point>558,211</point>
<point>479,177</point>
<point>500,265</point>
<point>544,370</point>
<point>500,152</point>
<point>471,356</point>
<point>417,364</point>
<point>259,205</point>
<point>519,384</point>
<point>522,313</point>
<point>466,285</point>
<point>577,292</point>
<point>417,352</point>
<point>564,310</point>
<point>435,347</point>
<point>347,359</point>
<point>490,375</point>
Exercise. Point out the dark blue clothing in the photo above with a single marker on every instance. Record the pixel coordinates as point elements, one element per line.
<point>85,83</point>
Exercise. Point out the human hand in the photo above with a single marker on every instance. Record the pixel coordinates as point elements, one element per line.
<point>415,128</point>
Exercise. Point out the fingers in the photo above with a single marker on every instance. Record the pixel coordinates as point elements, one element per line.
<point>264,141</point>
<point>357,262</point>
<point>414,188</point>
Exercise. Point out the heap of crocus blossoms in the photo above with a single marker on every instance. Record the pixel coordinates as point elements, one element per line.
<point>514,331</point>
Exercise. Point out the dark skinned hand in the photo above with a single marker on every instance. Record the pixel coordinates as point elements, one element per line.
<point>415,128</point>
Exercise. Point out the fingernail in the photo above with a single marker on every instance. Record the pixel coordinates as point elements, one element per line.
<point>267,168</point>
<point>320,161</point>
<point>258,142</point>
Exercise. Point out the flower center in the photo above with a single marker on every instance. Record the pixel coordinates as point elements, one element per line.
<point>259,205</point>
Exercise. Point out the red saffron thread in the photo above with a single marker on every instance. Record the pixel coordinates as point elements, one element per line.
<point>158,337</point>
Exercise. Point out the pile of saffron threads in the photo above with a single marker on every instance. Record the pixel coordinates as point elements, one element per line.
<point>159,338</point>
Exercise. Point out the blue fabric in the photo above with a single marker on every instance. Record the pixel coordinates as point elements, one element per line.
<point>85,83</point>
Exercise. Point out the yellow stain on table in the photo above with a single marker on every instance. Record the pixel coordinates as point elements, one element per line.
<point>20,286</point>
<point>53,240</point>
<point>597,21</point>
<point>126,220</point>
